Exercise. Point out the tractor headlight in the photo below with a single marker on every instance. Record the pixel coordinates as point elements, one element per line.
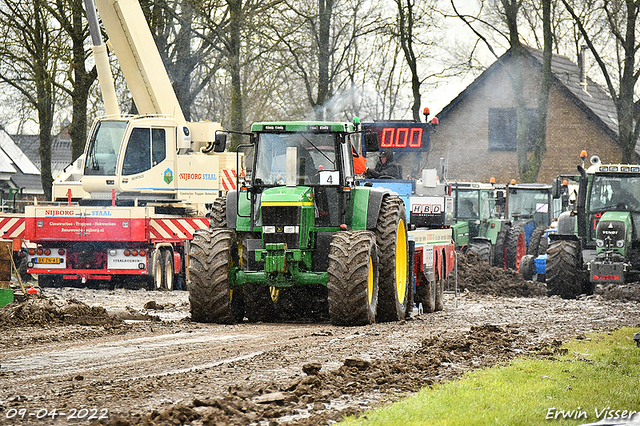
<point>620,243</point>
<point>291,229</point>
<point>269,229</point>
<point>600,243</point>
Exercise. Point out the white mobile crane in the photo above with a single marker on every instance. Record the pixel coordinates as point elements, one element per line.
<point>144,181</point>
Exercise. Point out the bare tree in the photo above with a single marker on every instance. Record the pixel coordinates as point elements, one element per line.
<point>509,13</point>
<point>70,16</point>
<point>415,19</point>
<point>622,20</point>
<point>30,58</point>
<point>317,38</point>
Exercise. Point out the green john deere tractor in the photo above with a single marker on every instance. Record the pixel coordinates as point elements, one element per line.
<point>301,236</point>
<point>599,241</point>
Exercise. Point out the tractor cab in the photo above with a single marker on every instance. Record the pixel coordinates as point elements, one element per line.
<point>305,164</point>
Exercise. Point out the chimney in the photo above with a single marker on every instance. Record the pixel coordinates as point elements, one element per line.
<point>583,67</point>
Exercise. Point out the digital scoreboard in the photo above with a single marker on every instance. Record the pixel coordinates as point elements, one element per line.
<point>401,136</point>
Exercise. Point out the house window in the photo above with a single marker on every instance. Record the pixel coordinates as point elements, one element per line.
<point>502,128</point>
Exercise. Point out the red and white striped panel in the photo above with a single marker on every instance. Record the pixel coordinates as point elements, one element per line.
<point>11,227</point>
<point>228,178</point>
<point>171,229</point>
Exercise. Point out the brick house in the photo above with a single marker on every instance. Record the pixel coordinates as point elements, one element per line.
<point>476,134</point>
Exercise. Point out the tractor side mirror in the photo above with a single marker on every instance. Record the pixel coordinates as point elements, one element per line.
<point>556,188</point>
<point>371,142</point>
<point>220,143</point>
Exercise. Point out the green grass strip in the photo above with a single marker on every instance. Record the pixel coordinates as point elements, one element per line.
<point>594,378</point>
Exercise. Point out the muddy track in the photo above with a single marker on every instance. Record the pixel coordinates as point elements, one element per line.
<point>141,365</point>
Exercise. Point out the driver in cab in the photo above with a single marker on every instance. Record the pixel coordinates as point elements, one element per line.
<point>385,168</point>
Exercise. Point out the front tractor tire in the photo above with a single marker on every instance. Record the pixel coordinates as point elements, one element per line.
<point>210,293</point>
<point>391,238</point>
<point>482,248</point>
<point>564,269</point>
<point>353,278</point>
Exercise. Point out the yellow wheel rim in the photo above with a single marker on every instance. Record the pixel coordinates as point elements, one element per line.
<point>275,293</point>
<point>401,261</point>
<point>370,281</point>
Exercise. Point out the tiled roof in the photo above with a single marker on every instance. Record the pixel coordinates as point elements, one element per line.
<point>594,101</point>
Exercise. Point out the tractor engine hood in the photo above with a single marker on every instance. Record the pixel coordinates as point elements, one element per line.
<point>287,215</point>
<point>614,232</point>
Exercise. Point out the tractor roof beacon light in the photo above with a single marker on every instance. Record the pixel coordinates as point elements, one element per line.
<point>583,156</point>
<point>426,113</point>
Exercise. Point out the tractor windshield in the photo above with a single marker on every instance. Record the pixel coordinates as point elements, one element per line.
<point>467,204</point>
<point>533,204</point>
<point>315,152</point>
<point>102,154</point>
<point>620,192</point>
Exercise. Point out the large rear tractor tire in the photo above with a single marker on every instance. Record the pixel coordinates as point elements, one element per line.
<point>218,214</point>
<point>564,267</point>
<point>353,278</point>
<point>516,247</point>
<point>393,251</point>
<point>211,257</point>
<point>535,239</point>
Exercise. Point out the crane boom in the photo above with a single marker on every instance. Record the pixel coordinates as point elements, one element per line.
<point>139,59</point>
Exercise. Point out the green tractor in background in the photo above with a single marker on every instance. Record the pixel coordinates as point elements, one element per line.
<point>480,225</point>
<point>301,236</point>
<point>598,241</point>
<point>533,207</point>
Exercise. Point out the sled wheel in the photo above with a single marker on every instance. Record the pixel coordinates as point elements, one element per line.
<point>426,293</point>
<point>211,257</point>
<point>391,239</point>
<point>564,269</point>
<point>353,278</point>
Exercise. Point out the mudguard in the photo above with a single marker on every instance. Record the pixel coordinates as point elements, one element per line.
<point>373,208</point>
<point>232,209</point>
<point>566,228</point>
